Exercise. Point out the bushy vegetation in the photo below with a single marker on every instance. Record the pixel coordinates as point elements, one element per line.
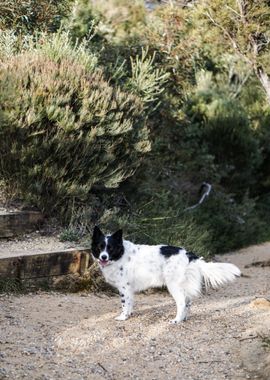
<point>68,130</point>
<point>115,115</point>
<point>30,16</point>
<point>114,20</point>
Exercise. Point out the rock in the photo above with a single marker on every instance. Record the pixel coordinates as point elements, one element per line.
<point>260,303</point>
<point>3,373</point>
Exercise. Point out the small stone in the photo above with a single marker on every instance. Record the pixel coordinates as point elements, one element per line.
<point>3,372</point>
<point>260,303</point>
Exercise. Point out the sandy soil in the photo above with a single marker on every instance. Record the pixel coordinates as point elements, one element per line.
<point>49,336</point>
<point>33,243</point>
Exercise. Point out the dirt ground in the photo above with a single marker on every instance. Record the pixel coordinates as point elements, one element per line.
<point>53,336</point>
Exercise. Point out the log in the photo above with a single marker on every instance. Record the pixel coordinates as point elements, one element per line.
<point>45,264</point>
<point>19,222</point>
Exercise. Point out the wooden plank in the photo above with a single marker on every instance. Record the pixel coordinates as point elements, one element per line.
<point>46,264</point>
<point>10,267</point>
<point>19,222</point>
<point>86,261</point>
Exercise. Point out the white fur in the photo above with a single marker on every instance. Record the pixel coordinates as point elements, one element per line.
<point>143,266</point>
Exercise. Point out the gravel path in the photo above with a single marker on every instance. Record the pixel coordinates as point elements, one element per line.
<point>52,336</point>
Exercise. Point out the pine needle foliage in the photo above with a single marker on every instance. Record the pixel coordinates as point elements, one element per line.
<point>145,80</point>
<point>68,130</point>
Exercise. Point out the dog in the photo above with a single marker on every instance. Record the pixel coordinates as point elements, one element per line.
<point>132,268</point>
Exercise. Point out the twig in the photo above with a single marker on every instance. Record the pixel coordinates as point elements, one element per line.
<point>241,85</point>
<point>245,275</point>
<point>248,337</point>
<point>259,264</point>
<point>206,193</point>
<point>101,366</point>
<point>210,361</point>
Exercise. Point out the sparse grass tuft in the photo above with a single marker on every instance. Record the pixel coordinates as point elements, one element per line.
<point>69,234</point>
<point>10,285</point>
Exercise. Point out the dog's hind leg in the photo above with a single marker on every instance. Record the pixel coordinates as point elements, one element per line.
<point>179,296</point>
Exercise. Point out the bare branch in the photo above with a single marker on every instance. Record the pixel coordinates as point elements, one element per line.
<point>206,193</point>
<point>265,81</point>
<point>224,30</point>
<point>242,10</point>
<point>233,11</point>
<point>241,85</point>
<point>228,35</point>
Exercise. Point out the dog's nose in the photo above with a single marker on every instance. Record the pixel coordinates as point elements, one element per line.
<point>104,257</point>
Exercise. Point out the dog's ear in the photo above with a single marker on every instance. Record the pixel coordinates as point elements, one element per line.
<point>118,235</point>
<point>97,233</point>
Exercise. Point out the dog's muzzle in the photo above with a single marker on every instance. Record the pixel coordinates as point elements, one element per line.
<point>103,263</point>
<point>104,259</point>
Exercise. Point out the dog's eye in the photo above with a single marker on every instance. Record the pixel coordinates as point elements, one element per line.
<point>102,246</point>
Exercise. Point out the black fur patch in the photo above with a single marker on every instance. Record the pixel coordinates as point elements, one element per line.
<point>98,242</point>
<point>115,246</point>
<point>169,250</point>
<point>191,256</point>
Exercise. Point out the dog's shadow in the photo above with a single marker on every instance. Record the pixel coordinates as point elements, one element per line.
<point>101,332</point>
<point>165,309</point>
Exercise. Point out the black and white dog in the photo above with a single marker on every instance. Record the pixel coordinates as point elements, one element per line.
<point>132,268</point>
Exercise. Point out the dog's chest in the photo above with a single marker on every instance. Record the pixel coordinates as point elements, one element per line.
<point>113,274</point>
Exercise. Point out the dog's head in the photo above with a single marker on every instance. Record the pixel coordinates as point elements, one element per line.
<point>107,249</point>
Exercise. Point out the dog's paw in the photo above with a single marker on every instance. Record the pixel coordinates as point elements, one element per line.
<point>174,321</point>
<point>121,317</point>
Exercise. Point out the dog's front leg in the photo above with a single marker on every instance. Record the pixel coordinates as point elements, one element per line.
<point>126,295</point>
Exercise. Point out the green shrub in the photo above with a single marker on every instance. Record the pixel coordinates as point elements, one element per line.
<point>29,16</point>
<point>120,20</point>
<point>111,21</point>
<point>68,130</point>
<point>217,126</point>
<point>233,224</point>
<point>82,20</point>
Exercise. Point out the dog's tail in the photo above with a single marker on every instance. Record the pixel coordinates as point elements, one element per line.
<point>217,274</point>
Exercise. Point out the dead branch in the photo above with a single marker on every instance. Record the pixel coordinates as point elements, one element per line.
<point>206,193</point>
